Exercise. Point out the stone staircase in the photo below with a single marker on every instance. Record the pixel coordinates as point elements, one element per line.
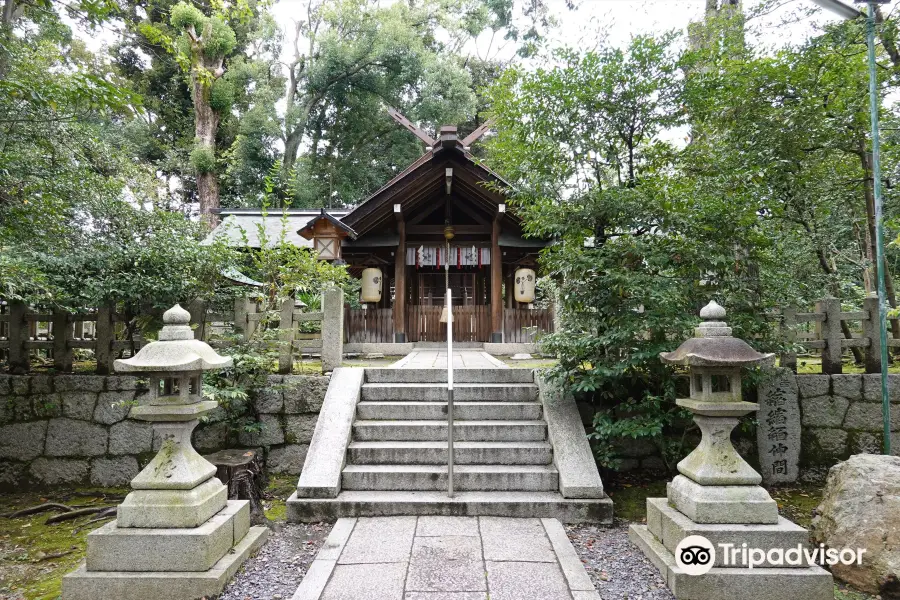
<point>396,460</point>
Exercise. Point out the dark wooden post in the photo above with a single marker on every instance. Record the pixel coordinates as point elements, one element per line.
<point>63,331</point>
<point>399,309</point>
<point>286,329</point>
<point>105,335</point>
<point>788,322</point>
<point>831,334</point>
<point>496,279</point>
<point>197,308</point>
<point>870,330</point>
<point>18,335</point>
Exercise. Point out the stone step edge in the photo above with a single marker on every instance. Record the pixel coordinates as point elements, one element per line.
<point>442,469</point>
<point>442,445</point>
<point>433,422</point>
<point>487,504</point>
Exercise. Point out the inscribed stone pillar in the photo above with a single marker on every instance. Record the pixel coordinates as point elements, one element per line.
<point>778,430</point>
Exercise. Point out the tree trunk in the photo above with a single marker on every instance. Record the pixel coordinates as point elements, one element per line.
<point>206,123</point>
<point>871,252</point>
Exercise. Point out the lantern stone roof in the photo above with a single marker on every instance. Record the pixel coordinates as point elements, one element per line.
<point>714,346</point>
<point>176,349</point>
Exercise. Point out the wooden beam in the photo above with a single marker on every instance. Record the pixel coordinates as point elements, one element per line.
<point>469,139</point>
<point>406,123</point>
<point>399,313</point>
<point>458,229</point>
<point>496,285</point>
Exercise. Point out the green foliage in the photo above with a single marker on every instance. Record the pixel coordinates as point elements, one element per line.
<point>185,15</point>
<point>203,159</point>
<point>221,95</point>
<point>80,221</point>
<point>638,249</point>
<point>218,38</point>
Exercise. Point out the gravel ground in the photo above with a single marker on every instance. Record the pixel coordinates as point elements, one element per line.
<point>276,570</point>
<point>617,568</point>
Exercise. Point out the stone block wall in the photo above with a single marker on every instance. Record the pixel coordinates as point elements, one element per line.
<point>74,429</point>
<point>839,415</point>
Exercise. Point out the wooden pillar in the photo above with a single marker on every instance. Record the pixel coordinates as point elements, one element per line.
<point>62,336</point>
<point>105,336</point>
<point>286,333</point>
<point>496,283</point>
<point>400,285</point>
<point>19,359</point>
<point>831,333</point>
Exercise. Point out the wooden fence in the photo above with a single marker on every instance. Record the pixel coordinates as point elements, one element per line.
<point>522,326</point>
<point>25,333</point>
<point>373,325</point>
<point>826,328</point>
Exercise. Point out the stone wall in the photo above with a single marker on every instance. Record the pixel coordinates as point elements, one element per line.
<point>73,429</point>
<point>839,415</point>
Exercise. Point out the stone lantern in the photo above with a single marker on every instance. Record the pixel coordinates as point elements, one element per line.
<point>176,536</point>
<point>716,485</point>
<point>716,501</point>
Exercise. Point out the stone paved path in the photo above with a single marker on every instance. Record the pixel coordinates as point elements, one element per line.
<point>447,558</point>
<point>437,359</point>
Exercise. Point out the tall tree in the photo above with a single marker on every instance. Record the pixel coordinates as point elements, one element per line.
<point>205,44</point>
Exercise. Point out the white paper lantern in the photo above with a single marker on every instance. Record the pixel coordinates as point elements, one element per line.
<point>372,281</point>
<point>524,288</point>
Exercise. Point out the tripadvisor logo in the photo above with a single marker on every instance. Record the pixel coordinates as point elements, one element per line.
<point>696,555</point>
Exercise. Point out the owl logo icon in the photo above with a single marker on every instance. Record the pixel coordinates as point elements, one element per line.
<point>695,555</point>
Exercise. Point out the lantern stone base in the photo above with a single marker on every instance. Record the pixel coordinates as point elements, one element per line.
<point>760,583</point>
<point>173,508</point>
<point>739,504</point>
<point>149,564</point>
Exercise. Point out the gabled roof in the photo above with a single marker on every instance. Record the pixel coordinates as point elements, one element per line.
<point>424,179</point>
<point>251,223</point>
<point>307,230</point>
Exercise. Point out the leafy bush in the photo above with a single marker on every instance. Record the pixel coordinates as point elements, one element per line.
<point>186,15</point>
<point>219,39</point>
<point>221,95</point>
<point>203,159</point>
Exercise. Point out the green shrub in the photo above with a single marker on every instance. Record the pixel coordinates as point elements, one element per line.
<point>221,96</point>
<point>185,15</point>
<point>219,39</point>
<point>203,159</point>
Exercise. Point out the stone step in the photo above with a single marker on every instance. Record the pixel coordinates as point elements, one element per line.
<point>437,392</point>
<point>432,478</point>
<point>464,411</point>
<point>486,504</point>
<point>440,376</point>
<point>465,431</point>
<point>464,453</point>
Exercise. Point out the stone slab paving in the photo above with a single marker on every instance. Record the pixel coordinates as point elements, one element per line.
<point>447,558</point>
<point>437,359</point>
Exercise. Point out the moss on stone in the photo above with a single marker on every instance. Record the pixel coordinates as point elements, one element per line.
<point>27,542</point>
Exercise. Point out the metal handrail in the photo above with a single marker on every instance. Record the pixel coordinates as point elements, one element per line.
<point>449,393</point>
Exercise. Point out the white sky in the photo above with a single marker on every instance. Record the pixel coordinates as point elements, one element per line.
<point>583,27</point>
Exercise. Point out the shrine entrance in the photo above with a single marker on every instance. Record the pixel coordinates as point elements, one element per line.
<point>471,308</point>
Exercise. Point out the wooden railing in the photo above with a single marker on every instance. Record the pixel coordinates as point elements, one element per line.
<point>523,326</point>
<point>826,328</point>
<point>25,333</point>
<point>373,325</point>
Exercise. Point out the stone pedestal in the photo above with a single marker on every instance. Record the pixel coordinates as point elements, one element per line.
<point>717,495</point>
<point>177,536</point>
